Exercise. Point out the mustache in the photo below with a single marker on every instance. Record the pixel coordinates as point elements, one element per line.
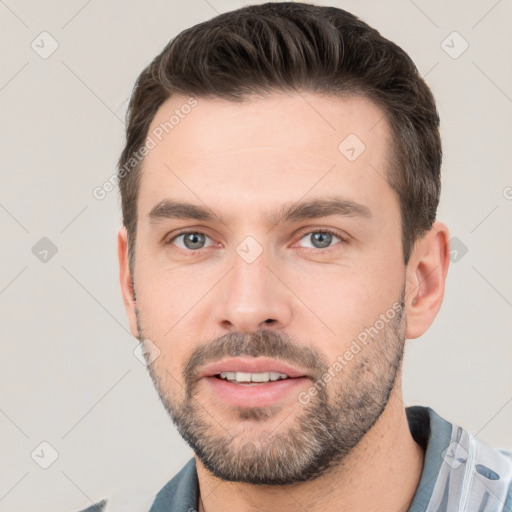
<point>263,343</point>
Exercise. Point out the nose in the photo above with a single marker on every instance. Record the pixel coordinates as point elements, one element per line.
<point>252,297</point>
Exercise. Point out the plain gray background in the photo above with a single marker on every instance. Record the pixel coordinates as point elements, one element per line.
<point>68,374</point>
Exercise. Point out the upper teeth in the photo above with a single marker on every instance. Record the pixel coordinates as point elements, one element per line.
<point>253,377</point>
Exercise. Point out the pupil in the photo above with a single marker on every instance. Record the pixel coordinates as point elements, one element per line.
<point>323,238</point>
<point>193,240</point>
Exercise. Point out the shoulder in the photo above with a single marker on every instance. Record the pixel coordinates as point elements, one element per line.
<point>460,472</point>
<point>181,493</point>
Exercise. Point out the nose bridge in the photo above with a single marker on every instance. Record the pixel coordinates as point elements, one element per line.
<point>253,297</point>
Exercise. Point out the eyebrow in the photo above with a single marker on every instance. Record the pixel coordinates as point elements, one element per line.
<point>313,209</point>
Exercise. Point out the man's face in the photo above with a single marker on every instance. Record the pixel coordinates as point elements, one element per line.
<point>253,290</point>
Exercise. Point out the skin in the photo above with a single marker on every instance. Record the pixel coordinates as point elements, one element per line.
<point>243,161</point>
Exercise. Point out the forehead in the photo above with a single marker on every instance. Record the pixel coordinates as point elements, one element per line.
<point>265,150</point>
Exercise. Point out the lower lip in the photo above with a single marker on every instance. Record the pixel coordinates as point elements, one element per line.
<point>255,395</point>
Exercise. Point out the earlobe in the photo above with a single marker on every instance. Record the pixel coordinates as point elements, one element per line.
<point>426,277</point>
<point>126,280</point>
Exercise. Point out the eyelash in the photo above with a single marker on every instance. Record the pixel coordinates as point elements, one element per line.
<point>343,240</point>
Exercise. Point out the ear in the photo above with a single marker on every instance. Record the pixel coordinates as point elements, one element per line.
<point>426,275</point>
<point>125,279</point>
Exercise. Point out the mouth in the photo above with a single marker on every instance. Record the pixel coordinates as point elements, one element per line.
<point>253,382</point>
<point>249,379</point>
<point>252,369</point>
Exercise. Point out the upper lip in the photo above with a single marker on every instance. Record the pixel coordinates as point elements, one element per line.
<point>251,365</point>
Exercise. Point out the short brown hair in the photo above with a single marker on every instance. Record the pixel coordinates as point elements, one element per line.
<point>291,46</point>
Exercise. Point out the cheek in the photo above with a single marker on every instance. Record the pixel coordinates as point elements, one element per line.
<point>347,301</point>
<point>171,351</point>
<point>168,366</point>
<point>165,296</point>
<point>344,309</point>
<point>166,305</point>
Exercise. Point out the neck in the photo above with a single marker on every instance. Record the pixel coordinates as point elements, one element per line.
<point>381,473</point>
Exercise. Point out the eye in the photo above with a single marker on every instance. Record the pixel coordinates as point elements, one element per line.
<point>192,240</point>
<point>321,239</point>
